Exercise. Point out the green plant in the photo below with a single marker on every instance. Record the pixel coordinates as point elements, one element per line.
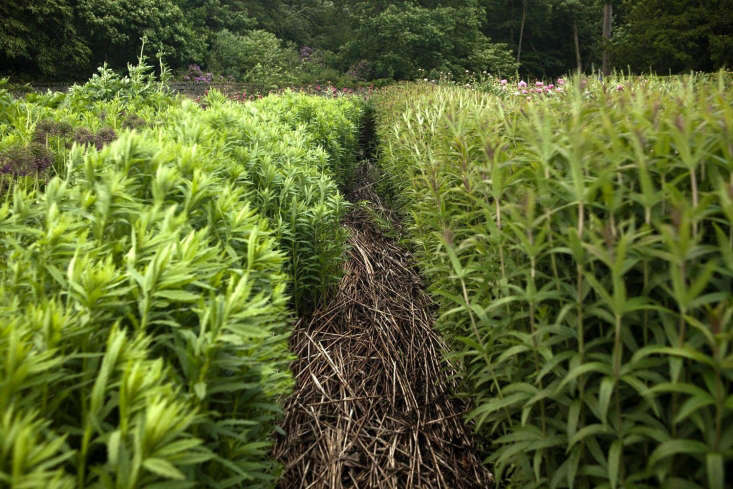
<point>145,290</point>
<point>580,250</point>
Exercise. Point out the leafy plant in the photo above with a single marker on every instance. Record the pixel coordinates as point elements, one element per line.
<point>580,250</point>
<point>145,290</point>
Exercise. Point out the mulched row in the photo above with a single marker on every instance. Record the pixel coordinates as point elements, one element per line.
<point>373,405</point>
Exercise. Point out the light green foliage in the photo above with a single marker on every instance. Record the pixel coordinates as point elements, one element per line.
<point>144,291</point>
<point>138,329</point>
<point>580,247</point>
<point>296,152</point>
<point>140,84</point>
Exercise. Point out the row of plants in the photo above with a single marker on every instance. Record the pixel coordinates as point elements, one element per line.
<point>148,282</point>
<point>580,250</point>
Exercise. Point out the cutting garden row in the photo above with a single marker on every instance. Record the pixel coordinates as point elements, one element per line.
<point>152,252</point>
<point>581,248</point>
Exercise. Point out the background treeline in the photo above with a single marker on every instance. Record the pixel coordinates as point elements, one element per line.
<point>292,41</point>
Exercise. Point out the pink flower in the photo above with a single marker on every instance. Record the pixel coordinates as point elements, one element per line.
<point>619,87</point>
<point>525,92</point>
<point>560,81</point>
<point>503,82</point>
<point>539,84</point>
<point>550,86</point>
<point>522,84</point>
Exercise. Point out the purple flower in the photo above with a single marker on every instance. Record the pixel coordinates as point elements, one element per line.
<point>522,84</point>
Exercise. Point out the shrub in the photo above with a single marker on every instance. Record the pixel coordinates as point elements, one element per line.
<point>257,57</point>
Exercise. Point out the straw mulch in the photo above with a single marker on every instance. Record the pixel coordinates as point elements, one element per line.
<point>373,405</point>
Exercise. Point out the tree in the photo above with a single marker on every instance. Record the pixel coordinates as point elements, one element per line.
<point>257,56</point>
<point>40,37</point>
<point>607,25</point>
<point>115,29</point>
<point>674,35</point>
<point>577,13</point>
<point>208,17</point>
<point>400,40</point>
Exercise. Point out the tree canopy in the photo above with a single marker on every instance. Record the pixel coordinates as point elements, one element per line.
<point>68,39</point>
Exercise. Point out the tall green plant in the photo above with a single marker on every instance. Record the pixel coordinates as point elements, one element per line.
<point>580,248</point>
<point>145,291</point>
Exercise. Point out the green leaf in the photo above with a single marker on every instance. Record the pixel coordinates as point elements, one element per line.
<point>671,448</point>
<point>585,368</point>
<point>691,405</point>
<point>113,448</point>
<point>177,295</point>
<point>614,462</point>
<point>163,468</point>
<point>604,397</point>
<point>715,465</point>
<point>590,430</point>
<point>200,389</point>
<point>683,352</point>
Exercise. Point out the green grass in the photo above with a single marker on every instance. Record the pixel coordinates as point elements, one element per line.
<point>580,248</point>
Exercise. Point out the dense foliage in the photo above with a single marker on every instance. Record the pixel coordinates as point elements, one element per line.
<point>580,246</point>
<point>145,278</point>
<point>319,40</point>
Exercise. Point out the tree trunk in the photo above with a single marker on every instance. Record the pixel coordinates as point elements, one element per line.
<point>521,30</point>
<point>607,19</point>
<point>578,61</point>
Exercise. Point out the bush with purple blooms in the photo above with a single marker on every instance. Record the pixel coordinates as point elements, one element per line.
<point>305,53</point>
<point>362,70</point>
<point>196,74</point>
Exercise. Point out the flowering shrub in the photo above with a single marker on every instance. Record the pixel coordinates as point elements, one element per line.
<point>197,75</point>
<point>305,53</point>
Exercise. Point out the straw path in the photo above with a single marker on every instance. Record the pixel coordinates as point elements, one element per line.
<point>373,405</point>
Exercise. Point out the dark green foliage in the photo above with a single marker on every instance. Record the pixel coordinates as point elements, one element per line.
<point>676,36</point>
<point>580,248</point>
<point>398,41</point>
<point>41,37</point>
<point>363,39</point>
<point>256,56</point>
<point>113,30</point>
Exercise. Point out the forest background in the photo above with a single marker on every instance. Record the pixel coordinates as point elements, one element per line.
<point>281,42</point>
